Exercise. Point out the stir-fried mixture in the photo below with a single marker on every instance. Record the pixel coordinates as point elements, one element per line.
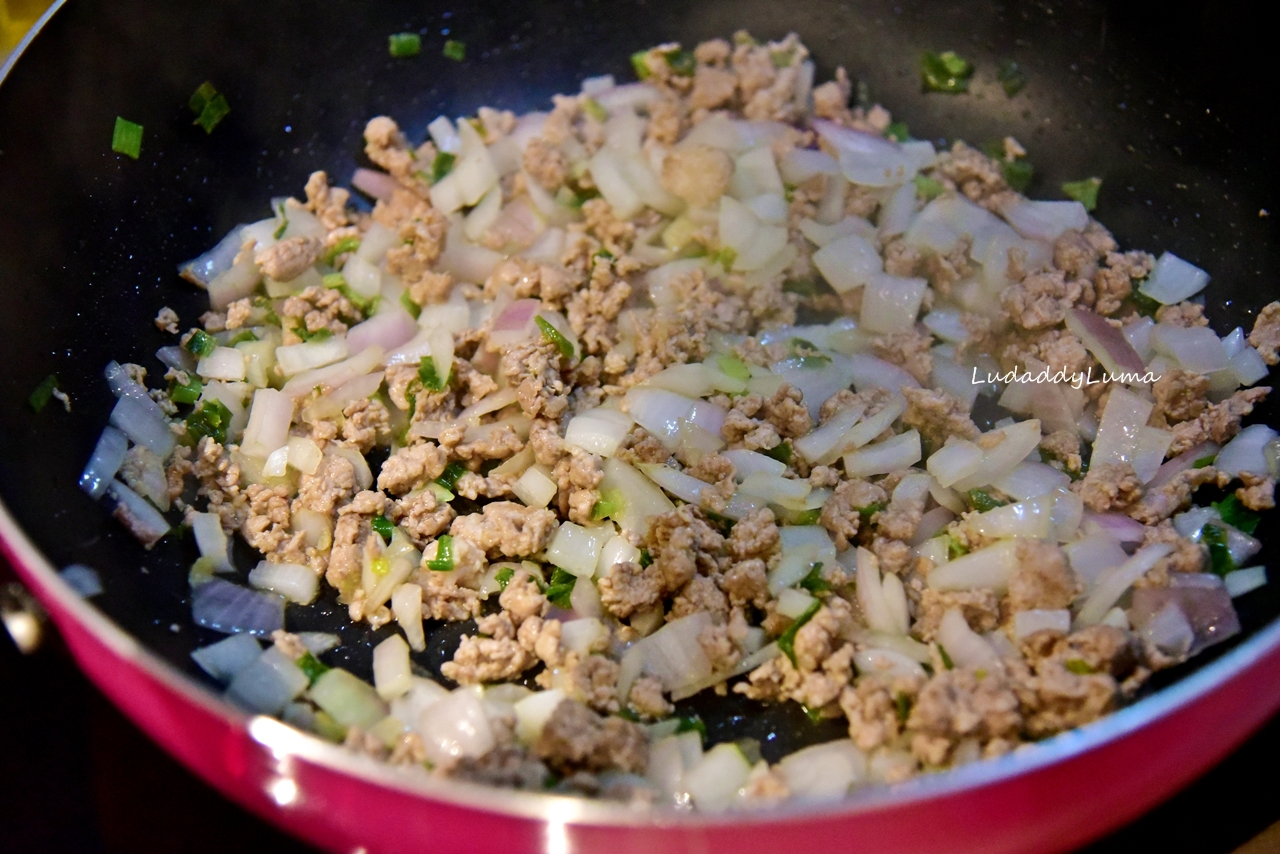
<point>698,383</point>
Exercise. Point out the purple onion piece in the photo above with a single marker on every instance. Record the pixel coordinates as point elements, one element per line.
<point>1203,600</point>
<point>230,608</point>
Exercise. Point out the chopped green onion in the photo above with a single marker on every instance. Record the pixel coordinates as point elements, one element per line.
<point>867,512</point>
<point>780,452</point>
<point>1204,462</point>
<point>809,517</point>
<point>595,109</point>
<point>983,501</point>
<point>443,561</point>
<point>410,306</point>
<point>692,723</point>
<point>342,247</point>
<point>1235,514</point>
<point>1079,666</point>
<point>787,640</point>
<point>568,198</point>
<point>1017,173</point>
<point>814,582</point>
<point>902,705</point>
<point>929,188</point>
<point>126,139</point>
<point>610,504</point>
<point>725,256</point>
<point>955,548</point>
<point>1215,539</point>
<point>946,659</point>
<point>504,576</point>
<point>241,337</point>
<point>455,50</point>
<point>264,303</point>
<point>311,666</point>
<point>806,287</point>
<point>814,715</point>
<point>40,398</point>
<point>1143,304</point>
<point>308,336</point>
<point>1085,192</point>
<point>945,72</point>
<point>338,282</point>
<point>404,44</point>
<point>284,223</point>
<point>431,379</point>
<point>383,526</point>
<point>639,65</point>
<point>200,343</point>
<point>555,336</point>
<point>442,165</point>
<point>646,559</point>
<point>1011,77</point>
<point>201,97</point>
<point>782,58</point>
<point>210,419</point>
<point>188,392</point>
<point>733,367</point>
<point>814,361</point>
<point>681,62</point>
<point>449,477</point>
<point>897,132</point>
<point>209,106</point>
<point>561,587</point>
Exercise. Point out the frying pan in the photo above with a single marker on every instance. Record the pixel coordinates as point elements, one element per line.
<point>1162,106</point>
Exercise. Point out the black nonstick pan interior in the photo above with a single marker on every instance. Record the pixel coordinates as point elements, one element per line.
<point>1167,106</point>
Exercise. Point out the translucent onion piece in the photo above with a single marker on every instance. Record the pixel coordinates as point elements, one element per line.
<point>108,456</point>
<point>1173,280</point>
<point>229,608</point>
<point>293,581</point>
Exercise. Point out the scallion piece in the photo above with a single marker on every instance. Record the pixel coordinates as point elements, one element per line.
<point>213,113</point>
<point>200,343</point>
<point>311,666</point>
<point>1017,173</point>
<point>188,392</point>
<point>608,505</point>
<point>725,257</point>
<point>692,723</point>
<point>945,72</point>
<point>1143,304</point>
<point>43,393</point>
<point>443,561</point>
<point>210,419</point>
<point>1215,539</point>
<point>897,132</point>
<point>809,517</point>
<point>641,67</point>
<point>455,50</point>
<point>928,188</point>
<point>284,223</point>
<point>441,165</point>
<point>983,501</point>
<point>787,640</point>
<point>1235,514</point>
<point>595,109</point>
<point>1204,462</point>
<point>504,576</point>
<point>431,379</point>
<point>681,62</point>
<point>1011,78</point>
<point>734,367</point>
<point>865,513</point>
<point>560,588</point>
<point>902,706</point>
<point>405,44</point>
<point>814,582</point>
<point>382,526</point>
<point>946,659</point>
<point>449,477</point>
<point>126,139</point>
<point>955,548</point>
<point>342,247</point>
<point>1079,666</point>
<point>646,559</point>
<point>780,452</point>
<point>1085,192</point>
<point>555,336</point>
<point>410,306</point>
<point>241,337</point>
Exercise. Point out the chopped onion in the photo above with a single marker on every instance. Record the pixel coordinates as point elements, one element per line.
<point>211,540</point>
<point>793,603</point>
<point>335,375</point>
<point>296,358</point>
<point>391,670</point>
<point>871,598</point>
<point>713,783</point>
<point>1027,623</point>
<point>1105,341</point>
<point>870,372</point>
<point>891,303</point>
<point>749,462</point>
<point>267,684</point>
<point>954,461</point>
<point>1194,348</point>
<point>533,712</point>
<point>886,662</point>
<point>1173,280</point>
<point>828,441</point>
<point>659,412</point>
<point>226,658</point>
<point>987,567</point>
<point>641,499</point>
<point>295,582</point>
<point>901,451</point>
<point>673,655</point>
<point>1245,453</point>
<point>378,185</point>
<point>1113,584</point>
<point>598,431</point>
<point>1025,519</point>
<point>1195,610</point>
<point>848,262</point>
<point>576,549</point>
<point>348,699</point>
<point>387,330</point>
<point>230,608</point>
<point>1182,462</point>
<point>1045,220</point>
<point>406,605</point>
<point>535,487</point>
<point>140,423</point>
<point>798,165</point>
<point>108,456</point>
<point>205,268</point>
<point>932,524</point>
<point>964,646</point>
<point>236,282</point>
<point>1125,415</point>
<point>869,159</point>
<point>1243,581</point>
<point>824,772</point>
<point>269,420</point>
<point>143,520</point>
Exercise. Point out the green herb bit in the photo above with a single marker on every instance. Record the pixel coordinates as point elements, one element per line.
<point>284,222</point>
<point>39,398</point>
<point>1011,77</point>
<point>902,705</point>
<point>692,723</point>
<point>410,306</point>
<point>608,505</point>
<point>782,58</point>
<point>342,247</point>
<point>1144,304</point>
<point>802,347</point>
<point>1215,539</point>
<point>725,256</point>
<point>442,165</point>
<point>814,582</point>
<point>1235,514</point>
<point>1017,173</point>
<point>382,526</point>
<point>431,379</point>
<point>568,198</point>
<point>443,561</point>
<point>946,659</point>
<point>732,366</point>
<point>188,392</point>
<point>639,64</point>
<point>311,666</point>
<point>264,303</point>
<point>955,548</point>
<point>929,188</point>
<point>897,132</point>
<point>806,287</point>
<point>816,360</point>
<point>781,452</point>
<point>126,138</point>
<point>1079,666</point>
<point>200,343</point>
<point>213,113</point>
<point>561,587</point>
<point>241,337</point>
<point>449,477</point>
<point>983,501</point>
<point>1085,192</point>
<point>308,336</point>
<point>210,419</point>
<point>787,640</point>
<point>555,336</point>
<point>809,517</point>
<point>870,510</point>
<point>404,44</point>
<point>1204,462</point>
<point>201,97</point>
<point>681,62</point>
<point>945,72</point>
<point>646,559</point>
<point>595,109</point>
<point>504,576</point>
<point>455,50</point>
<point>994,148</point>
<point>814,715</point>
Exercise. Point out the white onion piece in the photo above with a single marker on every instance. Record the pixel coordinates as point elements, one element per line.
<point>1027,623</point>
<point>1248,366</point>
<point>576,549</point>
<point>827,440</point>
<point>824,772</point>
<point>869,159</point>
<point>1173,280</point>
<point>387,330</point>
<point>820,234</point>
<point>931,524</point>
<point>628,95</point>
<point>139,422</point>
<point>223,363</point>
<point>378,185</point>
<point>226,658</point>
<point>1125,416</point>
<point>749,462</point>
<point>1116,525</point>
<point>236,282</point>
<point>890,455</point>
<point>1245,453</point>
<point>444,135</point>
<point>1194,348</point>
<point>293,581</point>
<point>230,608</point>
<point>987,567</point>
<point>296,358</point>
<point>673,655</point>
<point>585,601</point>
<point>122,385</point>
<point>406,605</point>
<point>848,262</point>
<point>269,420</point>
<point>206,267</point>
<point>946,324</point>
<point>954,461</point>
<point>870,372</point>
<point>1112,585</point>
<point>267,684</point>
<point>714,782</point>
<point>108,456</point>
<point>641,499</point>
<point>392,677</point>
<point>964,646</point>
<point>1029,518</point>
<point>659,412</point>
<point>1105,341</point>
<point>871,598</point>
<point>755,173</point>
<point>211,540</point>
<point>897,211</point>
<point>466,261</point>
<point>1020,439</point>
<point>535,487</point>
<point>891,303</point>
<point>886,662</point>
<point>798,165</point>
<point>1045,220</point>
<point>1182,462</point>
<point>1243,581</point>
<point>335,375</point>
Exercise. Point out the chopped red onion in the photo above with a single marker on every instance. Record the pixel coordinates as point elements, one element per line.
<point>379,185</point>
<point>1202,600</point>
<point>1181,463</point>
<point>387,330</point>
<point>1105,341</point>
<point>1118,525</point>
<point>229,608</point>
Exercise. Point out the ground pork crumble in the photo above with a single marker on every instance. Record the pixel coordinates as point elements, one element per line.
<point>538,393</point>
